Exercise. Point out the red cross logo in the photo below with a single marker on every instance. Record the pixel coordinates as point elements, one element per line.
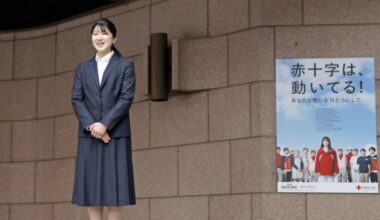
<point>358,187</point>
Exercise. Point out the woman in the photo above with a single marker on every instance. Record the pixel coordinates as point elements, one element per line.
<point>297,168</point>
<point>102,93</point>
<point>327,163</point>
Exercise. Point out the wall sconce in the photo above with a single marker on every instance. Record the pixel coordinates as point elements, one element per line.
<point>159,74</point>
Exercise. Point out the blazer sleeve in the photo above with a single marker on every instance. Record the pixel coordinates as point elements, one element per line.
<point>84,116</point>
<point>124,102</point>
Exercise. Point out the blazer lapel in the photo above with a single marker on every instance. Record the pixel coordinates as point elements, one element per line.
<point>112,63</point>
<point>94,73</point>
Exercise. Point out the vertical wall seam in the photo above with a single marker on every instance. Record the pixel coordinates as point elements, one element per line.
<point>149,132</point>
<point>178,170</point>
<point>251,206</point>
<point>306,206</point>
<point>302,12</point>
<point>208,116</point>
<point>274,72</point>
<point>274,52</point>
<point>11,143</point>
<point>150,19</point>
<point>228,59</point>
<point>207,19</point>
<point>35,182</point>
<point>230,162</point>
<point>52,211</point>
<point>101,13</point>
<point>9,211</point>
<point>54,121</point>
<point>36,116</point>
<point>55,50</point>
<point>249,13</point>
<point>208,206</point>
<point>250,108</point>
<point>14,56</point>
<point>149,208</point>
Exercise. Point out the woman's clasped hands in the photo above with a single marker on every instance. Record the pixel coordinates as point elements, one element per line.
<point>98,130</point>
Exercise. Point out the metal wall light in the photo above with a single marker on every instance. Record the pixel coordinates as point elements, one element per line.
<point>158,67</point>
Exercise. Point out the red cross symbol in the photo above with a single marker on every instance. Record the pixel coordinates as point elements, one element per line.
<point>358,187</point>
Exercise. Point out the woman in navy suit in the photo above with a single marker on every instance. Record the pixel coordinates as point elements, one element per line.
<point>102,93</point>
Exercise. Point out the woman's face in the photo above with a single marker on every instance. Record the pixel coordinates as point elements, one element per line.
<point>102,41</point>
<point>325,142</point>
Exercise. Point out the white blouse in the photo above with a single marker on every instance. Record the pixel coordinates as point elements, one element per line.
<point>102,64</point>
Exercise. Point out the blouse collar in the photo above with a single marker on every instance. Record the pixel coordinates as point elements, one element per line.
<point>105,58</point>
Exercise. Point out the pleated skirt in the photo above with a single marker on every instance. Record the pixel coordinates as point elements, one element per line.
<point>104,173</point>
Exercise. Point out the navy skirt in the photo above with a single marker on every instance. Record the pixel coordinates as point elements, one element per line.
<point>104,173</point>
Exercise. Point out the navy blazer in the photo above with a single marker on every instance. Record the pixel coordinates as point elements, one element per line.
<point>107,103</point>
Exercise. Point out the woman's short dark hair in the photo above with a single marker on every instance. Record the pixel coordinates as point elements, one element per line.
<point>104,24</point>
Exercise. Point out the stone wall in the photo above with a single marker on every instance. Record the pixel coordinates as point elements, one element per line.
<point>208,152</point>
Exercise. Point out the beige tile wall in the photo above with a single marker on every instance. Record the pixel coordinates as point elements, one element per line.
<point>206,154</point>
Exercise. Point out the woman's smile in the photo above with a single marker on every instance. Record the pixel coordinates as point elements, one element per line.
<point>100,44</point>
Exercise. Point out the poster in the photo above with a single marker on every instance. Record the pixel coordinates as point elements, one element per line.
<point>326,125</point>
